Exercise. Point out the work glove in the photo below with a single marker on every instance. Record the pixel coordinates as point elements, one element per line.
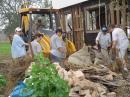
<point>108,49</point>
<point>96,48</point>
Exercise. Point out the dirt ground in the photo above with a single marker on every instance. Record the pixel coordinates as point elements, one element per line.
<point>2,57</point>
<point>14,71</point>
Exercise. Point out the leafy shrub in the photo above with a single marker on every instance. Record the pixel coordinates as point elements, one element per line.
<point>45,81</point>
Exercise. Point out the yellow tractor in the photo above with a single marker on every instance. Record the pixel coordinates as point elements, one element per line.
<point>36,20</point>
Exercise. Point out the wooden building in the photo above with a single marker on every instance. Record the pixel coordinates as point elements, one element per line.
<point>82,21</point>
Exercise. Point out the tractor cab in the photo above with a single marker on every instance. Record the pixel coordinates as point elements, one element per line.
<point>35,20</point>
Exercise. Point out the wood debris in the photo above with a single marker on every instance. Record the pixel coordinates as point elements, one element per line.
<point>93,80</point>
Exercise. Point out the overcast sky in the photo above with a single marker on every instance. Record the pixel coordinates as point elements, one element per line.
<point>64,3</point>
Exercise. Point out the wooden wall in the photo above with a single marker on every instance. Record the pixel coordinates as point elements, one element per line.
<point>116,12</point>
<point>78,29</point>
<point>77,32</point>
<point>119,12</point>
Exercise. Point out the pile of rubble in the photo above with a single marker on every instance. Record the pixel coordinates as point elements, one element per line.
<point>88,77</point>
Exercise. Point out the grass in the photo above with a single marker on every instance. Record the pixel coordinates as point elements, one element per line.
<point>5,50</point>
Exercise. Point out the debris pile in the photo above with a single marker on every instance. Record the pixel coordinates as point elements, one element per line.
<point>85,57</point>
<point>92,80</point>
<point>83,87</point>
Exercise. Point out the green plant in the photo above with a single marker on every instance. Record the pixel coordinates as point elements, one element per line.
<point>45,81</point>
<point>2,81</point>
<point>39,59</point>
<point>2,96</point>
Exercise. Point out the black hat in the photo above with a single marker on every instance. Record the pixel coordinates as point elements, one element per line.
<point>104,29</point>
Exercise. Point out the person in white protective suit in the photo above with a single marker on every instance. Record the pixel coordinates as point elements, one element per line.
<point>120,43</point>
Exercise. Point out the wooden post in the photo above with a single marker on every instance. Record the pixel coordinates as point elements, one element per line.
<point>58,18</point>
<point>84,24</point>
<point>124,16</point>
<point>20,20</point>
<point>118,13</point>
<point>61,20</point>
<point>112,12</point>
<point>30,35</point>
<point>106,17</point>
<point>72,24</point>
<point>129,18</point>
<point>99,15</point>
<point>129,13</point>
<point>51,20</point>
<point>64,22</point>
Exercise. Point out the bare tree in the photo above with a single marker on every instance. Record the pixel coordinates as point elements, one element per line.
<point>9,18</point>
<point>41,3</point>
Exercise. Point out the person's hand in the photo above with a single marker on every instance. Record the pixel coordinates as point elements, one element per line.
<point>26,44</point>
<point>95,47</point>
<point>114,44</point>
<point>109,48</point>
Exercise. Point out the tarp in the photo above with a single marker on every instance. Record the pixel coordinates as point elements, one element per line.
<point>25,22</point>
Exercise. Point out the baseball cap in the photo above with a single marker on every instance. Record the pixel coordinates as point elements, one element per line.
<point>104,29</point>
<point>18,29</point>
